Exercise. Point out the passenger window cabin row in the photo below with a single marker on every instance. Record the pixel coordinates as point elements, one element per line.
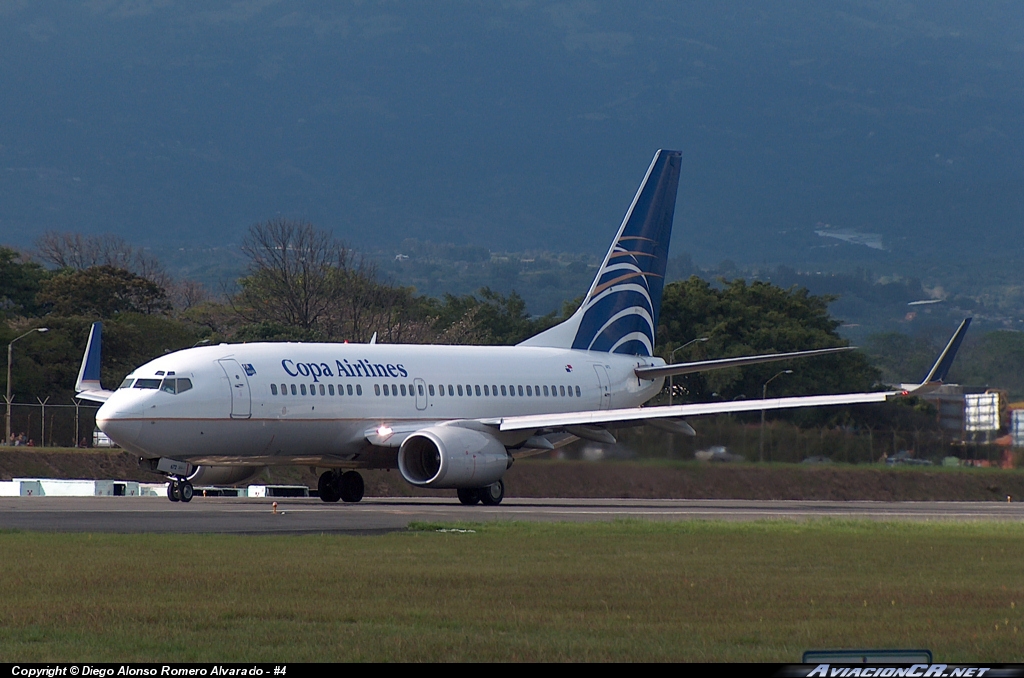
<point>469,390</point>
<point>554,391</point>
<point>327,389</point>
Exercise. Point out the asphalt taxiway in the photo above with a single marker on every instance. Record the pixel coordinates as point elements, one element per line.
<point>377,515</point>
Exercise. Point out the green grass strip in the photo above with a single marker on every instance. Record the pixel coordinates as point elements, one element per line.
<point>622,591</point>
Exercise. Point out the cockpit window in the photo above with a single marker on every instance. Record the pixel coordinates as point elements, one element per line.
<point>147,383</point>
<point>127,383</point>
<point>172,386</point>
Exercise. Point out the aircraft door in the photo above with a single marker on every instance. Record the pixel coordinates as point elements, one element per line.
<point>605,387</point>
<point>421,393</point>
<point>241,398</point>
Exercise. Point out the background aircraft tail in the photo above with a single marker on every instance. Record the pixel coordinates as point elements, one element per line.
<point>620,311</point>
<point>88,384</point>
<point>940,370</point>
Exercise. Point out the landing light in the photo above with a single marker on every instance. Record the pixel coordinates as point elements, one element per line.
<point>384,431</point>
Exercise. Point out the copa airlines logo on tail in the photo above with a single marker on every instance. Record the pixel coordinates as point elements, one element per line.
<point>343,368</point>
<point>620,314</point>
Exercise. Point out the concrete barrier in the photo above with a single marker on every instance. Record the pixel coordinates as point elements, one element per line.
<point>54,487</point>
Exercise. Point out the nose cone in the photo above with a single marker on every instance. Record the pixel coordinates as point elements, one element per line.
<point>122,427</point>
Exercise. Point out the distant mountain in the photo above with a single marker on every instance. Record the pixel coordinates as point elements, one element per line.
<point>514,126</point>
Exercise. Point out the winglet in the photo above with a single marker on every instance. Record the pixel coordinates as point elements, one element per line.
<point>89,374</point>
<point>940,370</point>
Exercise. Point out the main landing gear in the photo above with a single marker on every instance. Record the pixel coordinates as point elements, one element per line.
<point>347,487</point>
<point>488,496</point>
<point>180,489</point>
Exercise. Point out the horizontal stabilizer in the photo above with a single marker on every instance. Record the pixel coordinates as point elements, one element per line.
<point>722,363</point>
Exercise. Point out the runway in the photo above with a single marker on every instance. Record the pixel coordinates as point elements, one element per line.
<point>379,515</point>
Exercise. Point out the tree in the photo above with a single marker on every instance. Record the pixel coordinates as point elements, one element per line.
<point>303,283</point>
<point>47,364</point>
<point>496,318</point>
<point>747,319</point>
<point>77,251</point>
<point>20,282</point>
<point>103,292</point>
<point>995,359</point>
<point>296,276</point>
<point>901,358</point>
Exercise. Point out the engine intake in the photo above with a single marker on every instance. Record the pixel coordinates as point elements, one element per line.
<point>450,456</point>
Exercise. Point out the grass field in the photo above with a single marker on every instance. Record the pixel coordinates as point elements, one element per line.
<point>691,591</point>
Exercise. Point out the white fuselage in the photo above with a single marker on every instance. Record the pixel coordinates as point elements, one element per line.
<point>297,403</point>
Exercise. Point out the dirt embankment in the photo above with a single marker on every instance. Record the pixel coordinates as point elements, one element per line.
<point>640,480</point>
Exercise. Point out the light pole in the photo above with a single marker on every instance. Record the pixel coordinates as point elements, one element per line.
<point>672,358</point>
<point>764,395</point>
<point>10,352</point>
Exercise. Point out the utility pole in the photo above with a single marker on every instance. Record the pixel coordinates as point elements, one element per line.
<point>42,431</point>
<point>672,358</point>
<point>10,353</point>
<point>764,396</point>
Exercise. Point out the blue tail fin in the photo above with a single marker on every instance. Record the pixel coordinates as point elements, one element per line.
<point>620,312</point>
<point>940,370</point>
<point>89,373</point>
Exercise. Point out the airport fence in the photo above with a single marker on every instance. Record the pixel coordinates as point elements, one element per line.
<point>52,424</point>
<point>71,424</point>
<point>786,442</point>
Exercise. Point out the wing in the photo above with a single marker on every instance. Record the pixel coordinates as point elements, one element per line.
<point>640,415</point>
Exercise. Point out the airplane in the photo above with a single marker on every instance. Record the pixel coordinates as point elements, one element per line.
<point>444,416</point>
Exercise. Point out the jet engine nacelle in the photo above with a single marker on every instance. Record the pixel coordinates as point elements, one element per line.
<point>223,475</point>
<point>450,456</point>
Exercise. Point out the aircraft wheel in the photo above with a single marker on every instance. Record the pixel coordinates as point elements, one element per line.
<point>327,487</point>
<point>185,491</point>
<point>351,487</point>
<point>493,493</point>
<point>469,496</point>
<point>173,492</point>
